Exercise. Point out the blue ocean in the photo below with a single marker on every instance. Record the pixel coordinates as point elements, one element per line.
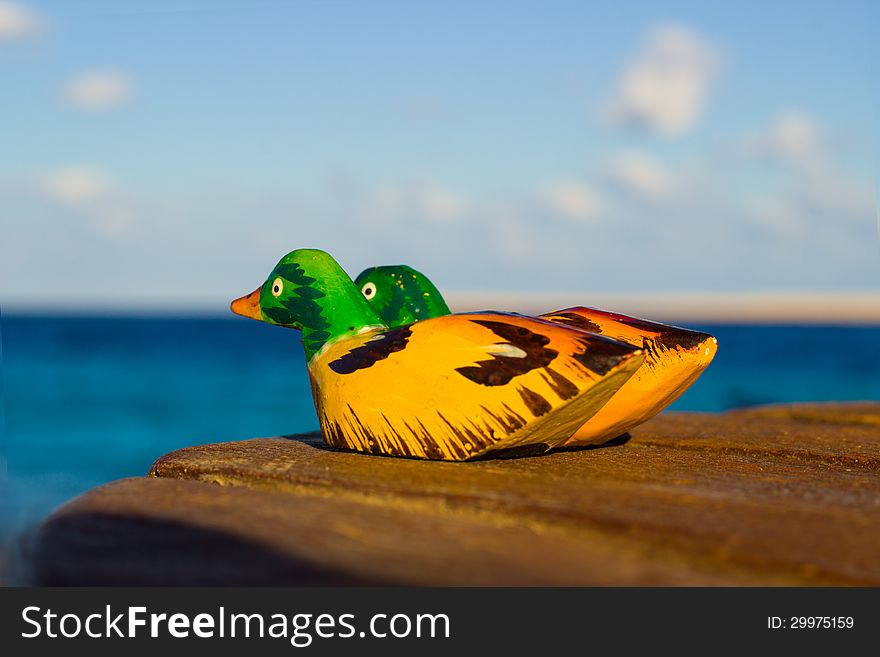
<point>92,399</point>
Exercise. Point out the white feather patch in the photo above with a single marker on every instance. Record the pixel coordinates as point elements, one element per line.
<point>504,349</point>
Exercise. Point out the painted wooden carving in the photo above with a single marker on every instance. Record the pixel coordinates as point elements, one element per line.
<point>674,357</point>
<point>449,386</point>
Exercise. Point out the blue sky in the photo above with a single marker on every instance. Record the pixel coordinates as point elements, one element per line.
<point>155,152</point>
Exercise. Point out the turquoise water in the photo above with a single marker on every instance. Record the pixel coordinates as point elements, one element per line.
<point>89,399</point>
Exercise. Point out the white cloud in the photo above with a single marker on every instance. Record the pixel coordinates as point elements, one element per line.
<point>816,202</point>
<point>826,190</point>
<point>419,201</point>
<point>795,134</point>
<point>781,215</point>
<point>441,204</point>
<point>88,193</point>
<point>76,186</point>
<point>817,186</point>
<point>664,88</point>
<point>572,200</point>
<point>16,21</point>
<point>640,174</point>
<point>793,138</point>
<point>99,90</point>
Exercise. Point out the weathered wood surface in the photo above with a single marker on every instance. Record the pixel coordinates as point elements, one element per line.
<point>774,495</point>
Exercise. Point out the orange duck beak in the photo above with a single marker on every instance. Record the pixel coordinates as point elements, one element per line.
<point>248,305</point>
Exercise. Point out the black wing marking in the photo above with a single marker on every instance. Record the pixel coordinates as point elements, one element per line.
<point>367,355</point>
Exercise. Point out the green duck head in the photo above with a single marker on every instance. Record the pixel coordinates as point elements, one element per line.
<point>308,291</point>
<point>400,294</point>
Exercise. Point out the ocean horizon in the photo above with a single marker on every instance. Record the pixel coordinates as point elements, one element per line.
<point>89,399</point>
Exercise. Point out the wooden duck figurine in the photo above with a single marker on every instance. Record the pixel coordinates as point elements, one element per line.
<point>453,387</point>
<point>675,357</point>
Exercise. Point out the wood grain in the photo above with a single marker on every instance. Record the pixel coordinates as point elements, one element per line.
<point>778,495</point>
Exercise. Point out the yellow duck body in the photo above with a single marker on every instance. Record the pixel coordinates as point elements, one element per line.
<point>465,386</point>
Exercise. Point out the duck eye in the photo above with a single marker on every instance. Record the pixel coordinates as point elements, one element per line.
<point>277,286</point>
<point>369,290</point>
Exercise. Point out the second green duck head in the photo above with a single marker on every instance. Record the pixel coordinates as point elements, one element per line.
<point>400,295</point>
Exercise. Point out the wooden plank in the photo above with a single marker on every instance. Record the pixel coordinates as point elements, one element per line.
<point>172,532</point>
<point>740,498</point>
<point>849,444</point>
<point>839,413</point>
